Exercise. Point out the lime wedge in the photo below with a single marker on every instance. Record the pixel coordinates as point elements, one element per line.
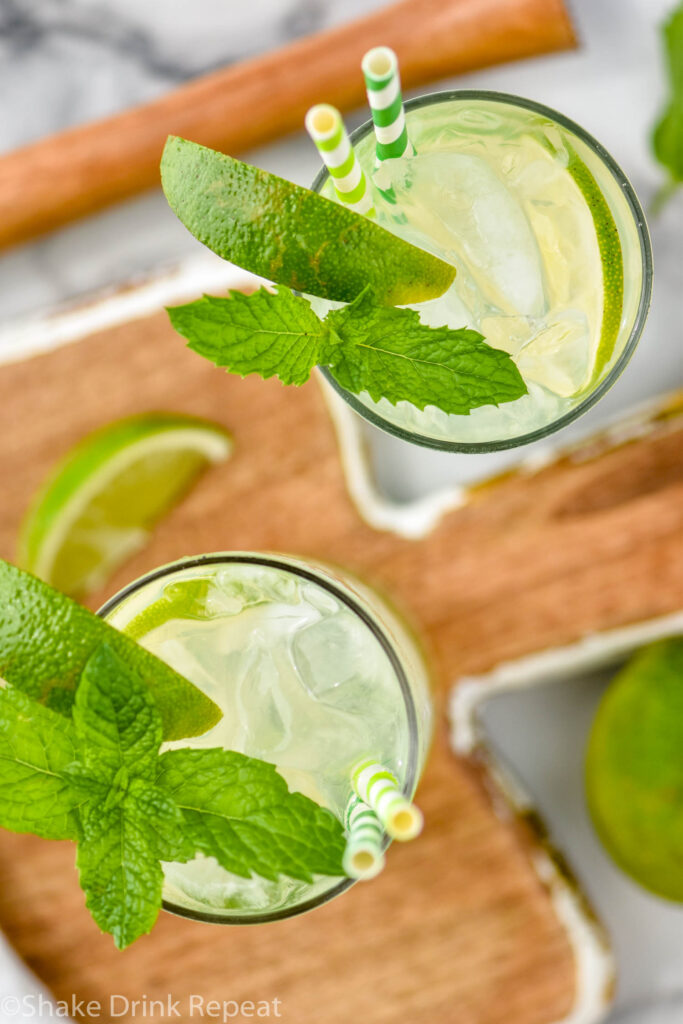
<point>102,500</point>
<point>291,235</point>
<point>46,640</point>
<point>566,365</point>
<point>185,599</point>
<point>198,599</point>
<point>611,261</point>
<point>634,769</point>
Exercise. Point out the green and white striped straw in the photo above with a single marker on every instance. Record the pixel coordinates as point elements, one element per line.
<point>363,857</point>
<point>383,86</point>
<point>325,126</point>
<point>376,786</point>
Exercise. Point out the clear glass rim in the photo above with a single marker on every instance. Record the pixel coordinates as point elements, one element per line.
<point>477,447</point>
<point>319,576</point>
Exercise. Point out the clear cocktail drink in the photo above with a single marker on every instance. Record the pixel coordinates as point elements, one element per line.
<point>551,250</point>
<point>312,670</point>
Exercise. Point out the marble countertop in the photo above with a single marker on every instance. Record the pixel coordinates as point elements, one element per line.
<point>64,62</point>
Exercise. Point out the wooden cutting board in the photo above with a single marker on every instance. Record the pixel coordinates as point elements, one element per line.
<point>459,927</point>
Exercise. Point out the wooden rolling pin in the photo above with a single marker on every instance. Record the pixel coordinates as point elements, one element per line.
<point>86,168</point>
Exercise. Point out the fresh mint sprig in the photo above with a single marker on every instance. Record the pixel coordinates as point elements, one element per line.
<point>99,778</point>
<point>379,349</point>
<point>667,138</point>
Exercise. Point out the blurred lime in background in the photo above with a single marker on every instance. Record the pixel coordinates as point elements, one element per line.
<point>102,500</point>
<point>634,768</point>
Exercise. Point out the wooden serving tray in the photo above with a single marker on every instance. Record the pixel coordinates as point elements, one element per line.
<point>461,926</point>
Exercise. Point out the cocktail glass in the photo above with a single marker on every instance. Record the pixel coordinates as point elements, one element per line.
<point>533,212</point>
<point>312,670</point>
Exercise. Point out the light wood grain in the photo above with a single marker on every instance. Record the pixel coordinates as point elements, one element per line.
<point>66,176</point>
<point>458,928</point>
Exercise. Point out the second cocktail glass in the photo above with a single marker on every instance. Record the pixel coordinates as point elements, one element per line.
<point>552,254</point>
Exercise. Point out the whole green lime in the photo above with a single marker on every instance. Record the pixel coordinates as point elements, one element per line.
<point>634,768</point>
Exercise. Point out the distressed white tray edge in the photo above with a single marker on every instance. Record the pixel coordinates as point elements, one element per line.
<point>592,651</point>
<point>415,519</point>
<point>31,336</point>
<point>595,964</point>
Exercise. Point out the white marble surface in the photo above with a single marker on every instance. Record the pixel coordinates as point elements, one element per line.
<point>63,61</point>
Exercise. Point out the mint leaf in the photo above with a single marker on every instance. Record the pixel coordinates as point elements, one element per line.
<point>118,859</point>
<point>119,872</point>
<point>89,785</point>
<point>128,824</point>
<point>386,352</point>
<point>158,816</point>
<point>390,354</point>
<point>116,719</point>
<point>667,139</point>
<point>272,334</point>
<point>239,810</point>
<point>36,748</point>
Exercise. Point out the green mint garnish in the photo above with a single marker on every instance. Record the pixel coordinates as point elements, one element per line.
<point>390,354</point>
<point>273,334</point>
<point>238,810</point>
<point>99,778</point>
<point>379,349</point>
<point>37,746</point>
<point>123,839</point>
<point>667,139</point>
<point>116,720</point>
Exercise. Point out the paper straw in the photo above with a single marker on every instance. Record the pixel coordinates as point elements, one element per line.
<point>363,857</point>
<point>325,126</point>
<point>378,787</point>
<point>383,86</point>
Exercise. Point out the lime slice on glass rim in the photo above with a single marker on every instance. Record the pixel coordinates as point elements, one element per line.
<point>46,640</point>
<point>611,262</point>
<point>102,500</point>
<point>194,598</point>
<point>184,599</point>
<point>634,769</point>
<point>291,235</point>
<point>611,268</point>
